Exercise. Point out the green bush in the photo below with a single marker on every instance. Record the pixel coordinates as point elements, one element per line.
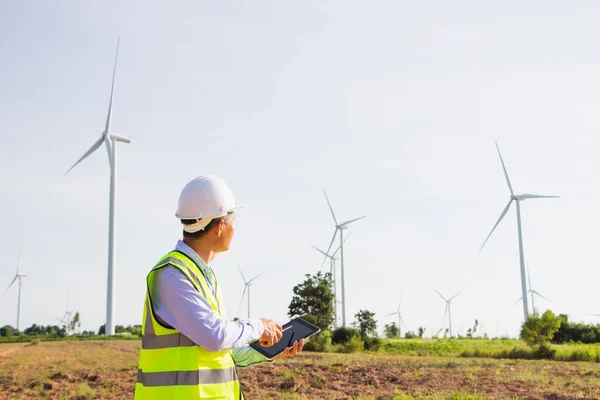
<point>372,344</point>
<point>355,345</point>
<point>321,342</point>
<point>343,335</point>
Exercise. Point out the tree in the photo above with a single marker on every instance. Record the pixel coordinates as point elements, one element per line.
<point>7,331</point>
<point>421,331</point>
<point>366,324</point>
<point>343,335</point>
<point>538,332</point>
<point>391,330</point>
<point>313,300</point>
<point>73,324</point>
<point>473,330</point>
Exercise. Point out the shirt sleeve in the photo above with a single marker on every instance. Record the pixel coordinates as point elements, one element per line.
<point>177,303</point>
<point>246,356</point>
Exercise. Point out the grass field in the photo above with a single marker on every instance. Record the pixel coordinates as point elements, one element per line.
<point>107,370</point>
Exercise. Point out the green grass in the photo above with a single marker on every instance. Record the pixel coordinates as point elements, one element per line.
<point>486,348</point>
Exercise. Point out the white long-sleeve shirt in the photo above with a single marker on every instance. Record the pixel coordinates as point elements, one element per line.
<point>178,304</point>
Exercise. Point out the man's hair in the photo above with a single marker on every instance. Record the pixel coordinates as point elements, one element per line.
<point>201,233</point>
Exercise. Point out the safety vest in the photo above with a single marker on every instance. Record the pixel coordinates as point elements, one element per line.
<point>171,365</point>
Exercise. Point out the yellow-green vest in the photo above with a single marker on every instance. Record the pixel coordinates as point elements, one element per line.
<point>171,365</point>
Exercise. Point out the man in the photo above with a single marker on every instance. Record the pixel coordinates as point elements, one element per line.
<point>189,349</point>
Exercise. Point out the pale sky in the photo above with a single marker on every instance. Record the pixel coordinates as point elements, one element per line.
<point>392,107</point>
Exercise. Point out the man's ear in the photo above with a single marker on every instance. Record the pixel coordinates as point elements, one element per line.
<point>220,227</point>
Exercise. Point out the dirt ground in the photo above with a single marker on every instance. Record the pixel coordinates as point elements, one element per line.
<point>107,370</point>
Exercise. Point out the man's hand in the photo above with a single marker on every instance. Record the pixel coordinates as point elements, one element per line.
<point>291,351</point>
<point>272,334</point>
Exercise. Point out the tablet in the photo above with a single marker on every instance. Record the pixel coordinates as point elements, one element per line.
<point>293,330</point>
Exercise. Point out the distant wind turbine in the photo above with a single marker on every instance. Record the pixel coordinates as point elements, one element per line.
<point>448,311</point>
<point>66,318</point>
<point>19,277</point>
<point>400,320</point>
<point>332,270</point>
<point>247,285</point>
<point>533,292</point>
<point>340,227</point>
<point>110,139</point>
<point>517,198</point>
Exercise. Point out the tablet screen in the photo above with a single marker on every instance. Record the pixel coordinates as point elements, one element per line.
<point>293,330</point>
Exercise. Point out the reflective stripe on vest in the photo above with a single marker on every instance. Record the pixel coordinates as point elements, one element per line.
<point>172,378</point>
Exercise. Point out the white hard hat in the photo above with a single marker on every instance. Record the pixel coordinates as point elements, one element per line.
<point>206,197</point>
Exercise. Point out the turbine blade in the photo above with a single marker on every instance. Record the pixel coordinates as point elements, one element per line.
<point>250,281</point>
<point>331,208</point>
<point>331,243</point>
<point>87,153</point>
<point>241,273</point>
<point>543,297</point>
<point>505,173</point>
<point>497,222</point>
<point>518,301</point>
<point>108,144</point>
<point>441,295</point>
<point>321,251</point>
<point>535,196</point>
<point>112,89</point>
<point>352,220</point>
<point>394,313</point>
<point>13,281</point>
<point>340,246</point>
<point>450,299</point>
<point>242,299</point>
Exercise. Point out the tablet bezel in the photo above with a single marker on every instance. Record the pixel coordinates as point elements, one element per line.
<point>265,351</point>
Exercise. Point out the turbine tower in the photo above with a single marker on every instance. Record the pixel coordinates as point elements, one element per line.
<point>448,311</point>
<point>340,227</point>
<point>517,198</point>
<point>19,277</point>
<point>332,270</point>
<point>400,320</point>
<point>110,139</point>
<point>246,289</point>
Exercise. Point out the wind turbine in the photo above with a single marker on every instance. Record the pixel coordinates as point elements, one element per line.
<point>246,289</point>
<point>533,292</point>
<point>340,228</point>
<point>332,271</point>
<point>110,139</point>
<point>66,319</point>
<point>400,320</point>
<point>517,198</point>
<point>448,311</point>
<point>19,277</point>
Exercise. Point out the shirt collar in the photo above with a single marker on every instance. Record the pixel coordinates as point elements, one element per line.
<point>191,254</point>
